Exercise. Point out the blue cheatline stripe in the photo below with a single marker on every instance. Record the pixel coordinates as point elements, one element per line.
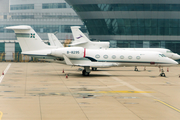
<point>92,59</point>
<point>120,61</point>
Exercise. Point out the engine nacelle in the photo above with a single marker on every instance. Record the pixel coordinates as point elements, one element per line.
<point>70,52</point>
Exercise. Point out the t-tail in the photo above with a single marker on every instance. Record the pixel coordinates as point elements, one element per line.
<point>54,40</point>
<point>79,37</point>
<point>28,39</point>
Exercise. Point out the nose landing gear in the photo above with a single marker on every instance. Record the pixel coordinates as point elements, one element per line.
<point>162,73</point>
<point>135,69</point>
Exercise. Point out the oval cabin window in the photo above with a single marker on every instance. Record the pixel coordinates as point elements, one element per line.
<point>130,57</point>
<point>97,56</point>
<point>122,57</point>
<point>138,57</point>
<point>105,56</point>
<point>113,57</point>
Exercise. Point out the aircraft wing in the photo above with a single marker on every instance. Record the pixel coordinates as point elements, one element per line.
<point>91,64</point>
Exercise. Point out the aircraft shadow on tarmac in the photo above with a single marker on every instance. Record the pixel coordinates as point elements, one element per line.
<point>109,70</point>
<point>71,75</point>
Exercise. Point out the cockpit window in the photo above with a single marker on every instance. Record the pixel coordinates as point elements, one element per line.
<point>162,55</point>
<point>168,51</point>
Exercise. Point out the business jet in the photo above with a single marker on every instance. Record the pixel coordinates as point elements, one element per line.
<point>76,32</point>
<point>32,45</point>
<point>81,40</point>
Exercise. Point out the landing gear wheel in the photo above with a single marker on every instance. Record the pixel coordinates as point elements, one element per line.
<point>94,69</point>
<point>135,69</point>
<point>85,73</point>
<point>162,75</point>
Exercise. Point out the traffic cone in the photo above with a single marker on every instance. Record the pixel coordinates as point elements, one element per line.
<point>63,71</point>
<point>167,69</point>
<point>66,75</point>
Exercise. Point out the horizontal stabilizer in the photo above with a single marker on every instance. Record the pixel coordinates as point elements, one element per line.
<point>67,60</point>
<point>28,39</point>
<point>78,43</point>
<point>20,27</point>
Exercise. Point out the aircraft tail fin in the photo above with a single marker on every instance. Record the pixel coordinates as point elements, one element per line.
<point>79,37</point>
<point>28,39</point>
<point>54,40</point>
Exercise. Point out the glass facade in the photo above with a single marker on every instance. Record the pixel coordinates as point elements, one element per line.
<point>127,7</point>
<point>46,28</point>
<point>42,17</point>
<point>133,26</point>
<point>53,5</point>
<point>22,7</point>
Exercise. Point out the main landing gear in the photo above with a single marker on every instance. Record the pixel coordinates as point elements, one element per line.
<point>135,69</point>
<point>162,72</point>
<point>86,71</point>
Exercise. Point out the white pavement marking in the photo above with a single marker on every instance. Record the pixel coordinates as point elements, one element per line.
<point>128,85</point>
<point>5,71</point>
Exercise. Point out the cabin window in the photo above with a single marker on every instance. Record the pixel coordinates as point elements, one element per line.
<point>105,56</point>
<point>138,57</point>
<point>122,57</point>
<point>113,57</point>
<point>130,57</point>
<point>97,56</point>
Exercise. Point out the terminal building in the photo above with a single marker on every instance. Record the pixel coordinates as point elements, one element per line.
<point>124,23</point>
<point>44,16</point>
<point>132,23</point>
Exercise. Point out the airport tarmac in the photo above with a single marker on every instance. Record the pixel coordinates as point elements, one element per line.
<point>40,91</point>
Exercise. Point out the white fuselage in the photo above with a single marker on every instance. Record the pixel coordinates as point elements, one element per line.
<point>164,51</point>
<point>108,58</point>
<point>130,58</point>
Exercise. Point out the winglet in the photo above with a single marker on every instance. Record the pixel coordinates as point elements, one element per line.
<point>67,60</point>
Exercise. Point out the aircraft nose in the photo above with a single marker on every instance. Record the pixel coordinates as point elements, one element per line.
<point>176,56</point>
<point>174,62</point>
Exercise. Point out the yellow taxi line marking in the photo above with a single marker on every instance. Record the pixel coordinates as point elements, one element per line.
<point>125,91</point>
<point>122,82</point>
<point>1,114</point>
<point>178,110</point>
